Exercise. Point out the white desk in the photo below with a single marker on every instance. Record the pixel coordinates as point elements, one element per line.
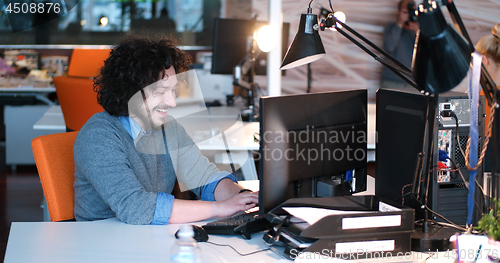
<point>113,241</point>
<point>20,118</point>
<point>28,90</point>
<point>52,119</point>
<point>110,241</point>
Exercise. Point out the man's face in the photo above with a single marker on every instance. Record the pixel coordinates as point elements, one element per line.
<point>151,113</point>
<point>403,12</point>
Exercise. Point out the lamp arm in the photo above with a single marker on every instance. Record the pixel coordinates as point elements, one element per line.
<point>405,75</point>
<point>487,83</point>
<point>455,16</point>
<point>390,62</point>
<point>371,44</point>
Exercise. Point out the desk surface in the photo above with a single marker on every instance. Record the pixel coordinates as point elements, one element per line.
<point>28,90</point>
<point>21,85</point>
<point>52,119</point>
<point>113,241</point>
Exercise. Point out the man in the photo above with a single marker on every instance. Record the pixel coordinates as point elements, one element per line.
<point>127,158</point>
<point>399,40</point>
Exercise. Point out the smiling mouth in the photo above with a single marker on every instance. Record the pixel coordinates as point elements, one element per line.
<point>161,110</point>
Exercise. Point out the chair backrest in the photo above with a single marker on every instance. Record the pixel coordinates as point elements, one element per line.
<point>78,100</point>
<point>85,63</point>
<point>56,167</point>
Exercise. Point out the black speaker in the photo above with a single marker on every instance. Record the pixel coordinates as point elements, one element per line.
<point>401,117</point>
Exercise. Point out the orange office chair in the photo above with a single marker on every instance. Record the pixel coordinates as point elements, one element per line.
<point>54,160</point>
<point>78,100</point>
<point>85,63</point>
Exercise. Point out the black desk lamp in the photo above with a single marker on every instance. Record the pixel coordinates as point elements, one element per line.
<point>247,68</point>
<point>261,40</point>
<point>441,61</point>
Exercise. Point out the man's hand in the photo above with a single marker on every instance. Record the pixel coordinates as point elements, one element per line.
<point>184,211</point>
<point>235,204</point>
<point>226,189</point>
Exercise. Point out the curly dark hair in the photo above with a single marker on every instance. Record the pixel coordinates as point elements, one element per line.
<point>132,65</point>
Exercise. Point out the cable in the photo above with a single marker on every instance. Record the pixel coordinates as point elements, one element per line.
<point>466,183</point>
<point>241,254</point>
<point>403,194</point>
<point>453,115</point>
<point>444,218</point>
<point>430,255</point>
<point>463,178</point>
<point>461,175</point>
<point>420,221</point>
<point>449,225</point>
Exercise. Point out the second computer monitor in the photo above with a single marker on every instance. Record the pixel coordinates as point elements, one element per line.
<point>231,44</point>
<point>312,145</point>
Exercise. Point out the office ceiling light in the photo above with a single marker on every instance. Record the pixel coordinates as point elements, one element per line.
<point>306,46</point>
<point>442,57</point>
<point>103,21</point>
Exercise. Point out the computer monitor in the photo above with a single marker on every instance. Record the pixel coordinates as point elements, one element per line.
<point>230,43</point>
<point>312,145</point>
<point>397,143</point>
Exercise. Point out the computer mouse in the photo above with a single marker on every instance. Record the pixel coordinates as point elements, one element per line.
<point>200,235</point>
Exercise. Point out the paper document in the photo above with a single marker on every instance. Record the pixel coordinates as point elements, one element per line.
<point>383,207</point>
<point>312,215</point>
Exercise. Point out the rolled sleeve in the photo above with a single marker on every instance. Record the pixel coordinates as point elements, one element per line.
<point>207,192</point>
<point>163,209</point>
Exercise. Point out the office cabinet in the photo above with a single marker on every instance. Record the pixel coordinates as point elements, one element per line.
<point>19,132</point>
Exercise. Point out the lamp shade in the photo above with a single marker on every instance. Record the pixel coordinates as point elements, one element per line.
<point>441,57</point>
<point>306,47</point>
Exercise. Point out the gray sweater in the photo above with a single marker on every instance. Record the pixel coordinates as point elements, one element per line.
<point>113,179</point>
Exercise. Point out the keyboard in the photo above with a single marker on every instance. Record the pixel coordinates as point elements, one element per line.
<point>244,224</point>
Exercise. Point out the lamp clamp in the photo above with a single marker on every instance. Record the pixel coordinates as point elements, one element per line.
<point>329,22</point>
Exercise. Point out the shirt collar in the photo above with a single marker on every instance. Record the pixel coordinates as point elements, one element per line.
<point>133,128</point>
